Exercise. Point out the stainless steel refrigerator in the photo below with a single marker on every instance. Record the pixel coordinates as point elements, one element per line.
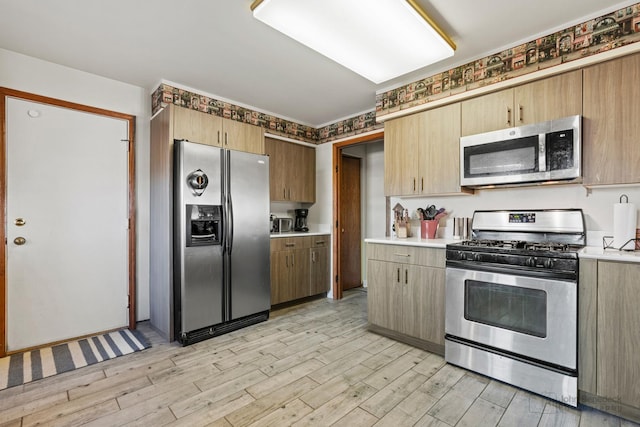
<point>221,240</point>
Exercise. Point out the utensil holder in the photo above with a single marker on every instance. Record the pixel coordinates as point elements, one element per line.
<point>428,229</point>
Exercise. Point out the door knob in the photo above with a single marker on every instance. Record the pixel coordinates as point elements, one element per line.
<point>20,222</point>
<point>19,241</point>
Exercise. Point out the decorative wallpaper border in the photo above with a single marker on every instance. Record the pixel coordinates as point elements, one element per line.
<point>611,31</point>
<point>167,94</point>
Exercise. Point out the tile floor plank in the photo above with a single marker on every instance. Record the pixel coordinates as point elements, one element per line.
<point>313,363</point>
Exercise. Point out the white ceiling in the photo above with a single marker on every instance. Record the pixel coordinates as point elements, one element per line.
<point>216,47</point>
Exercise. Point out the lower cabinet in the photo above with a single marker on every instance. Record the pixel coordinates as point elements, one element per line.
<point>405,292</point>
<point>299,267</point>
<point>609,338</point>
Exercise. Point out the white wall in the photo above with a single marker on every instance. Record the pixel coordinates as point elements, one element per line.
<point>39,77</point>
<point>597,206</point>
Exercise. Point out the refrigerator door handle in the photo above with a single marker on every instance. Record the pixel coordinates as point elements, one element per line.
<point>231,224</point>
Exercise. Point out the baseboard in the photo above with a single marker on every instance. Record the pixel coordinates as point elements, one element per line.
<point>609,406</point>
<point>416,342</point>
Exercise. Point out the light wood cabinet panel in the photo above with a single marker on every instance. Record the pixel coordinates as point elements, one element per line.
<point>422,153</point>
<point>196,126</point>
<point>243,137</point>
<point>611,126</point>
<point>587,325</point>
<point>548,99</point>
<point>423,303</point>
<point>618,343</point>
<point>292,171</point>
<point>384,294</point>
<point>440,156</point>
<point>402,137</point>
<point>407,297</point>
<point>487,112</point>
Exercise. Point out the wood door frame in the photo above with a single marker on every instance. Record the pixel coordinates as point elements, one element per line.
<point>336,285</point>
<point>11,93</point>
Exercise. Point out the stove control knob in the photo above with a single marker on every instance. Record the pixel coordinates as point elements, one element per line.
<point>548,263</point>
<point>530,262</point>
<point>477,257</point>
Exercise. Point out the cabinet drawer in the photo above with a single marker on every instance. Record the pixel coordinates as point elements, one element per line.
<point>286,243</point>
<point>428,257</point>
<point>320,241</point>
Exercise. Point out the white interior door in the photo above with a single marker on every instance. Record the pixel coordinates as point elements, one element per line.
<point>67,179</point>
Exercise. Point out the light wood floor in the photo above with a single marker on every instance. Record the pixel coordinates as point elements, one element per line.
<point>313,364</point>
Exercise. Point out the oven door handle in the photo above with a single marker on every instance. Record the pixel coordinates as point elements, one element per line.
<point>514,270</point>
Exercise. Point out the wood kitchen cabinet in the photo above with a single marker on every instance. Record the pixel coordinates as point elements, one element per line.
<point>611,126</point>
<point>547,99</point>
<point>608,337</point>
<point>618,345</point>
<point>422,153</point>
<point>405,293</point>
<point>204,128</point>
<point>292,170</point>
<point>299,267</point>
<point>319,269</point>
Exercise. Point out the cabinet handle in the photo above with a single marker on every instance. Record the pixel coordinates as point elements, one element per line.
<point>520,113</point>
<point>290,245</point>
<point>414,185</point>
<point>406,277</point>
<point>286,261</point>
<point>218,137</point>
<point>508,116</point>
<point>284,194</point>
<point>313,257</point>
<point>226,138</point>
<point>320,242</point>
<point>398,275</point>
<point>404,255</point>
<point>422,184</point>
<point>293,259</point>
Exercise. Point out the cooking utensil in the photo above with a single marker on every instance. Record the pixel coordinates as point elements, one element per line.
<point>430,212</point>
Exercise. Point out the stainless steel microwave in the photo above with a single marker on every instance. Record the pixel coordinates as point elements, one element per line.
<point>546,151</point>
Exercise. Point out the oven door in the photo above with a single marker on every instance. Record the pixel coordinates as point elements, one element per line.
<point>531,317</point>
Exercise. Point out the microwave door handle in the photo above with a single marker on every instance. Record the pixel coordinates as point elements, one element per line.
<point>542,152</point>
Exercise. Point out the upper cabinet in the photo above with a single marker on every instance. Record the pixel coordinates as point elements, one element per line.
<point>422,153</point>
<point>204,128</point>
<point>548,99</point>
<point>292,169</point>
<point>611,126</point>
<point>196,126</point>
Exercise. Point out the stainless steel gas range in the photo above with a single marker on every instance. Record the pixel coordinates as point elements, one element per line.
<point>512,299</point>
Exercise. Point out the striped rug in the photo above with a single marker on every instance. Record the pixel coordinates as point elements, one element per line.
<point>33,365</point>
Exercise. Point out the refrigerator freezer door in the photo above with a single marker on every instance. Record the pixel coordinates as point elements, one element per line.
<point>198,280</point>
<point>249,237</point>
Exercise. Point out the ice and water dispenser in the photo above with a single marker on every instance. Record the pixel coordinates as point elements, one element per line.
<point>204,225</point>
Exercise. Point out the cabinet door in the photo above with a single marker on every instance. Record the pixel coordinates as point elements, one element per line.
<point>243,137</point>
<point>618,336</point>
<point>277,173</point>
<point>196,126</point>
<point>548,99</point>
<point>587,325</point>
<point>300,272</point>
<point>611,126</point>
<point>423,303</point>
<point>384,294</point>
<point>280,277</point>
<point>402,138</point>
<point>440,151</point>
<point>488,112</point>
<point>302,173</point>
<point>319,270</point>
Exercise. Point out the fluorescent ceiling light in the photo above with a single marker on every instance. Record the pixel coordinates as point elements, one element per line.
<point>379,40</point>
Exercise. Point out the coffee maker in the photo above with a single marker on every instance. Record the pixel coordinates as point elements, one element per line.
<point>301,220</point>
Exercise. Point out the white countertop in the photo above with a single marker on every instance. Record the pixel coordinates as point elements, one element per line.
<point>412,241</point>
<point>596,252</point>
<point>298,234</point>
